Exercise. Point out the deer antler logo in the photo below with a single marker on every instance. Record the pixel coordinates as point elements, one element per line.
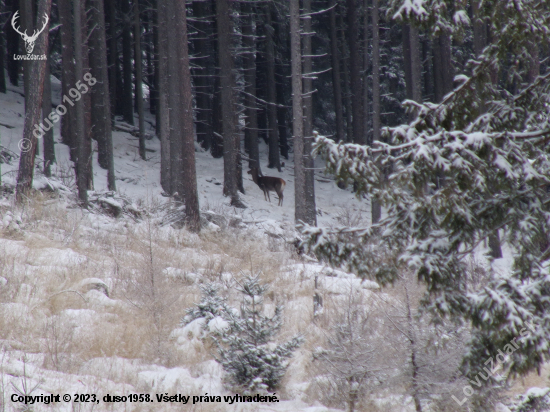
<point>29,40</point>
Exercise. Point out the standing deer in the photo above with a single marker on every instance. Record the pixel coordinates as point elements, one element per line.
<point>268,183</point>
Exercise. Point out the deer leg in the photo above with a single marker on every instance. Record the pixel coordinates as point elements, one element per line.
<point>267,193</point>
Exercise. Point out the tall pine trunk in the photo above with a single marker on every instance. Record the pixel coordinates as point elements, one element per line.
<point>139,80</point>
<point>183,112</point>
<point>127,98</point>
<point>49,149</point>
<point>300,211</point>
<point>82,166</point>
<point>100,97</point>
<point>307,101</point>
<point>355,72</point>
<point>376,209</point>
<point>68,80</point>
<point>230,135</point>
<point>273,133</point>
<point>163,113</point>
<point>249,68</point>
<point>33,110</point>
<point>203,74</point>
<point>336,78</point>
<point>12,43</point>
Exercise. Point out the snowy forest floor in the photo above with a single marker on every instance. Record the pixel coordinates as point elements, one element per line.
<point>90,303</point>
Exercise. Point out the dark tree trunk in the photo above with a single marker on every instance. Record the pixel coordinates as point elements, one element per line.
<point>49,150</point>
<point>181,95</point>
<point>274,158</point>
<point>336,82</point>
<point>300,209</point>
<point>355,72</point>
<point>412,63</point>
<point>12,43</point>
<point>150,56</point>
<point>249,68</point>
<point>480,29</point>
<point>203,75</point>
<point>282,78</point>
<point>174,103</point>
<point>443,68</point>
<point>347,92</point>
<point>230,136</point>
<point>26,21</point>
<point>376,210</point>
<point>86,97</point>
<point>113,58</point>
<point>368,137</point>
<point>307,101</point>
<point>139,80</point>
<point>100,98</point>
<point>68,80</point>
<point>83,155</point>
<point>127,97</point>
<point>427,70</point>
<point>163,113</point>
<point>33,111</point>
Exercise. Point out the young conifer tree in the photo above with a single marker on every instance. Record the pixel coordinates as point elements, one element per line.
<point>252,361</point>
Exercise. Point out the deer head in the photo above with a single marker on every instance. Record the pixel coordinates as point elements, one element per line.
<point>29,40</point>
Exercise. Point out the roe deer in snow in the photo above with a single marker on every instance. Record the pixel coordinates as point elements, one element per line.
<point>268,183</point>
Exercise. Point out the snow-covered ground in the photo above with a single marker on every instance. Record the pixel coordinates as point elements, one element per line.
<point>90,304</point>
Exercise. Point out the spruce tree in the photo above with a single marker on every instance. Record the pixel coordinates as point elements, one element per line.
<point>252,361</point>
<point>463,169</point>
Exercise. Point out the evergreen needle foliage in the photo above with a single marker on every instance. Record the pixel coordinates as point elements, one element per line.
<point>463,170</point>
<point>252,361</point>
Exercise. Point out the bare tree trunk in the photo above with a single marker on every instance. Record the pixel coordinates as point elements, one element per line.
<point>347,91</point>
<point>33,111</point>
<point>413,72</point>
<point>49,149</point>
<point>355,72</point>
<point>127,100</point>
<point>203,75</point>
<point>249,67</point>
<point>12,44</point>
<point>82,168</point>
<point>311,211</point>
<point>27,25</point>
<point>368,139</point>
<point>274,158</point>
<point>139,80</point>
<point>185,112</point>
<point>174,103</point>
<point>112,56</point>
<point>101,102</point>
<point>163,112</point>
<point>68,133</point>
<point>230,135</point>
<point>300,211</point>
<point>376,209</point>
<point>480,29</point>
<point>336,82</point>
<point>443,68</point>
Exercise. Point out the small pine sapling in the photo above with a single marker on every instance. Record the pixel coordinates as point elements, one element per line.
<point>211,306</point>
<point>252,361</point>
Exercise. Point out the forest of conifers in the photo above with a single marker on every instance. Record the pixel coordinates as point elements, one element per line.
<point>226,73</point>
